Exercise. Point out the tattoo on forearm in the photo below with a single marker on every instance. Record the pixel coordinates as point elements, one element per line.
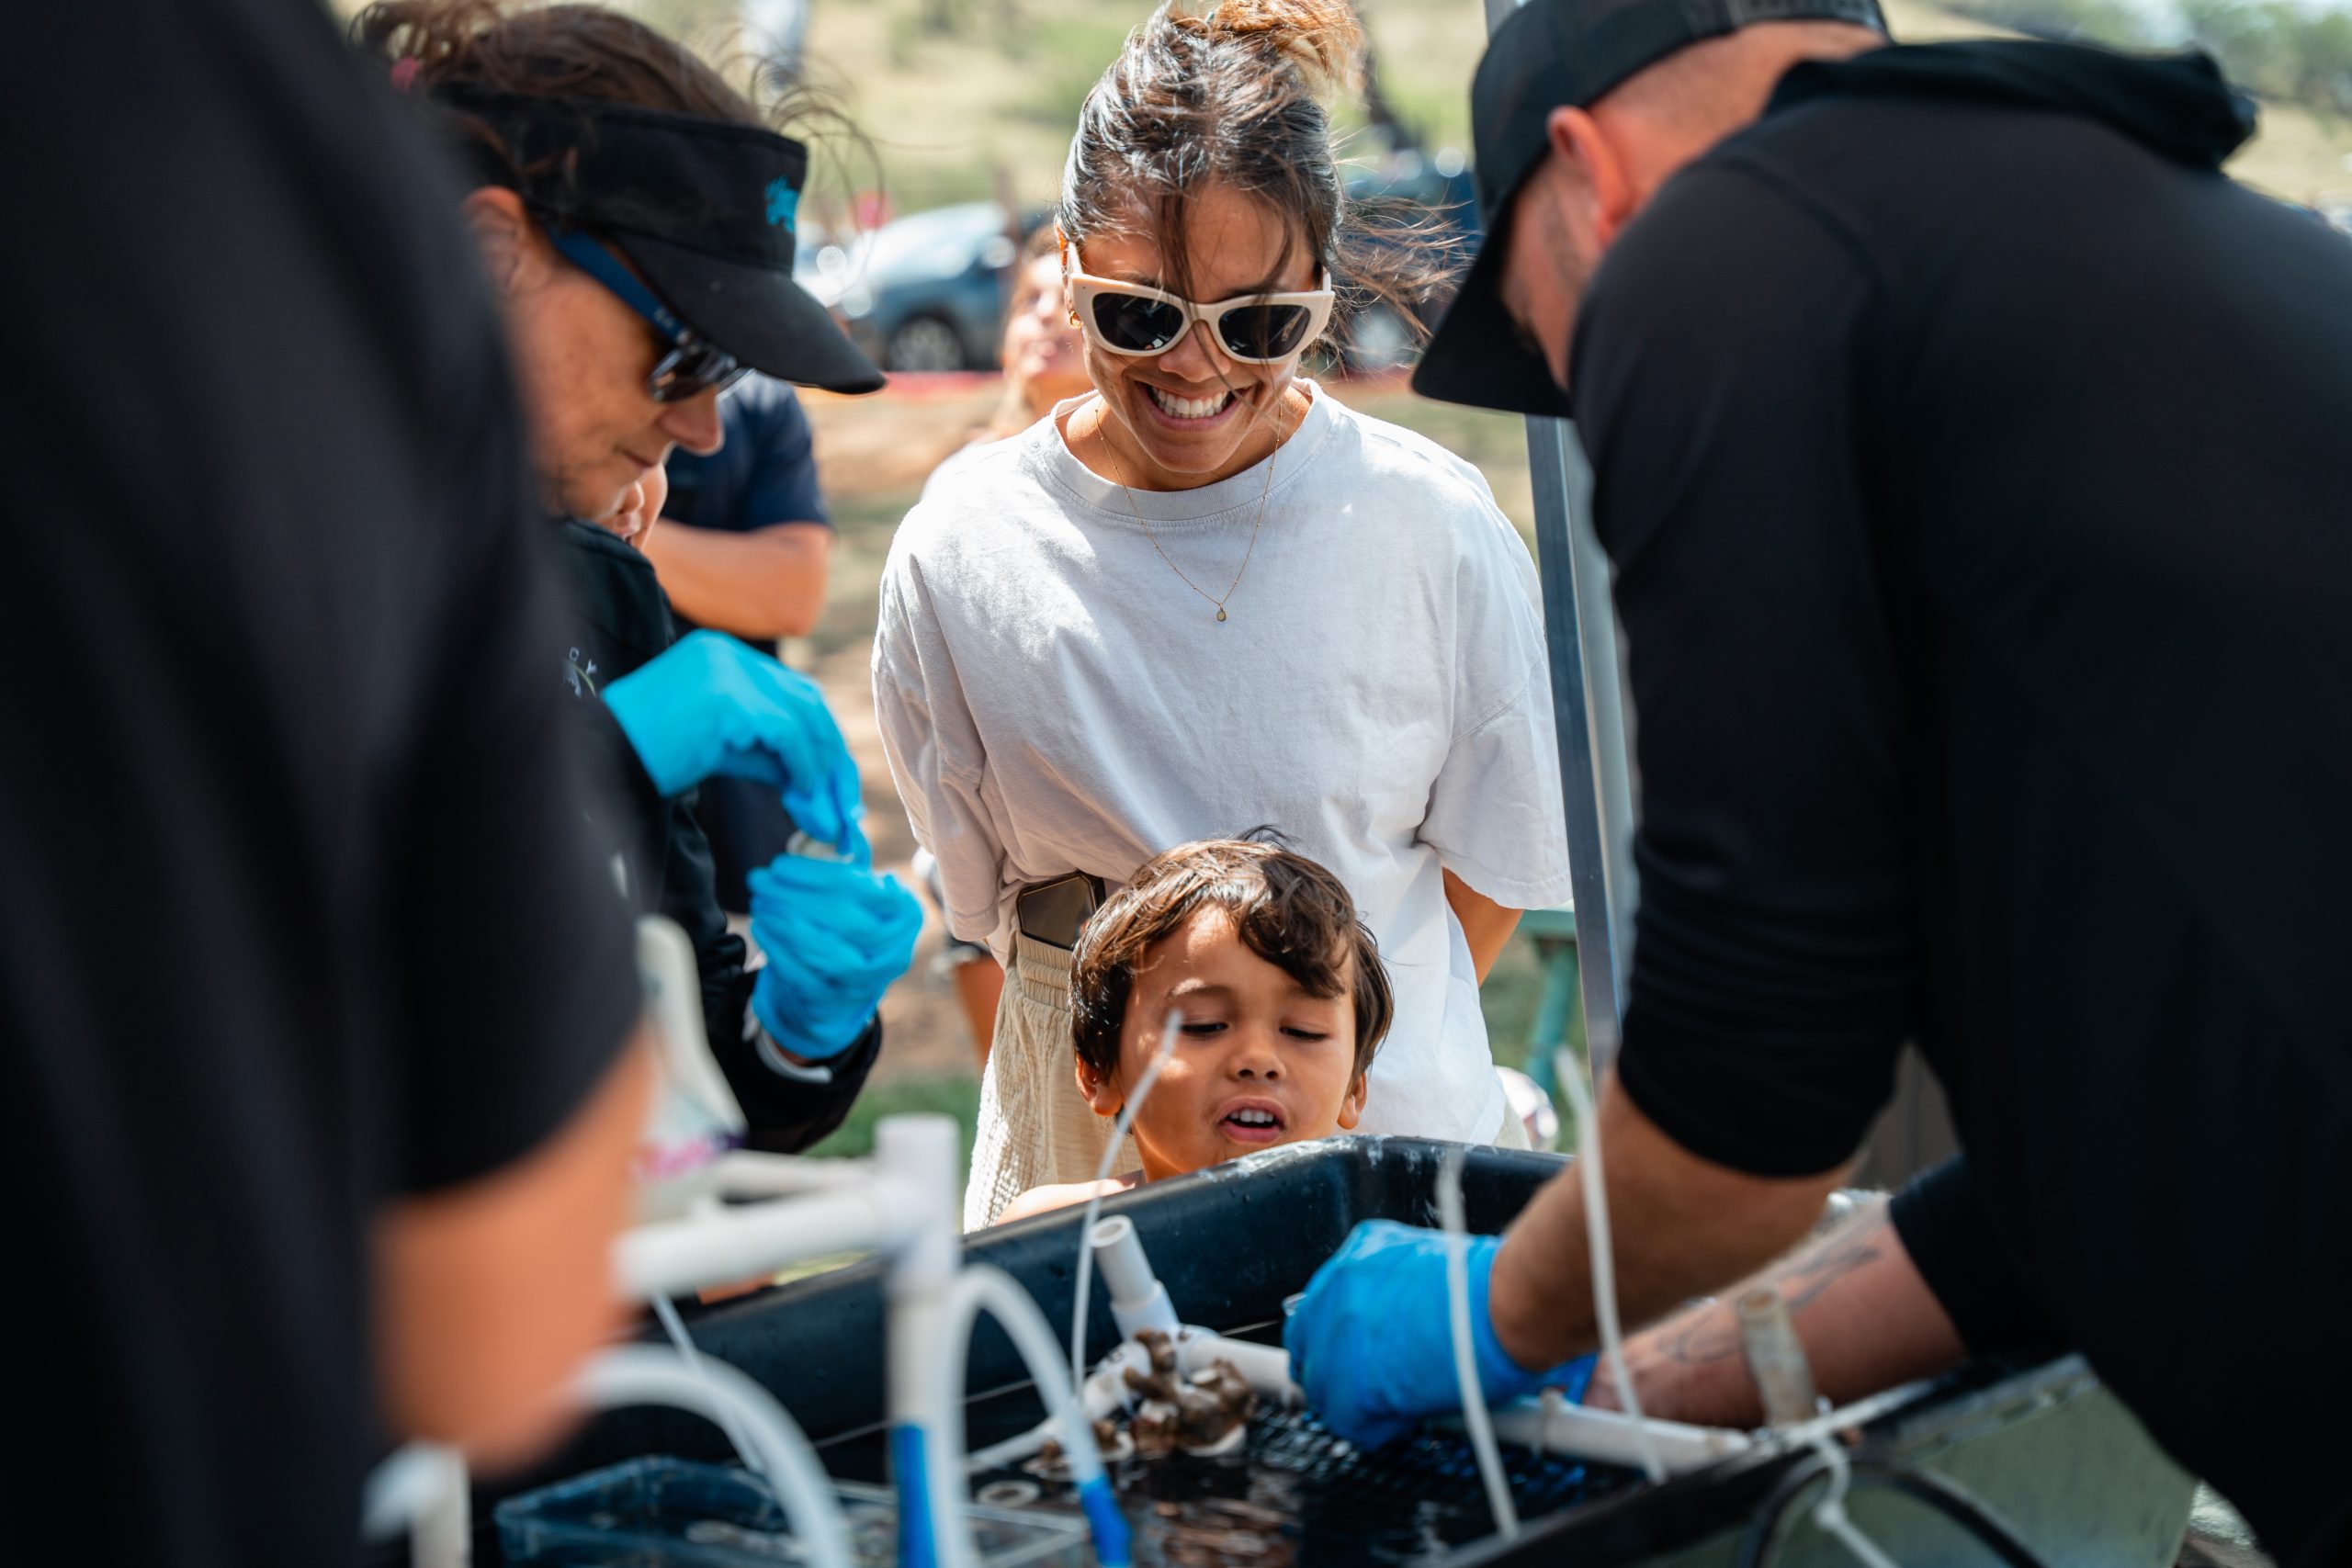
<point>1712,1332</point>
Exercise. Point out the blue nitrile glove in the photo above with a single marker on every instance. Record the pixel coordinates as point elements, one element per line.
<point>1372,1342</point>
<point>835,935</point>
<point>709,706</point>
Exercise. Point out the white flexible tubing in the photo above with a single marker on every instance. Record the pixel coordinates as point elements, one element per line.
<point>648,1374</point>
<point>1569,1074</point>
<point>675,1327</point>
<point>1466,1361</point>
<point>976,1288</point>
<point>1102,1394</point>
<point>1085,1278</point>
<point>1556,1426</point>
<point>1829,1515</point>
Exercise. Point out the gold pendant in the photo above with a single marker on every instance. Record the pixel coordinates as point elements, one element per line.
<point>1220,611</point>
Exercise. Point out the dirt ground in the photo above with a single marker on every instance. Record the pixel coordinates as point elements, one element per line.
<point>873,454</point>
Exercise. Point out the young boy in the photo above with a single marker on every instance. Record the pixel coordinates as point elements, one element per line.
<point>1281,993</point>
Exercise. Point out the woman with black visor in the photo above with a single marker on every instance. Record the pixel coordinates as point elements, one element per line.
<point>635,218</point>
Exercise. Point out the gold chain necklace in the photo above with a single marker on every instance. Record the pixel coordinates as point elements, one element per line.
<point>1263,491</point>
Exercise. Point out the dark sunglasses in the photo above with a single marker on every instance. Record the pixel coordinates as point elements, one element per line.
<point>1135,320</point>
<point>692,366</point>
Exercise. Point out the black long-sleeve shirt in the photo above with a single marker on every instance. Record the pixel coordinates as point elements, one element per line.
<point>621,620</point>
<point>1976,463</point>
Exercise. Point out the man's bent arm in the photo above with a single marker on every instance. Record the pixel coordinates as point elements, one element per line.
<point>491,1294</point>
<point>759,586</point>
<point>1863,1313</point>
<point>1681,1226</point>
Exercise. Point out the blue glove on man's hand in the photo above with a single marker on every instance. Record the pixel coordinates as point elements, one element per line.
<point>835,935</point>
<point>1371,1342</point>
<point>711,705</point>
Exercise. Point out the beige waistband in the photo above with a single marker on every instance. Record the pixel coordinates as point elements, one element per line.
<point>1043,970</point>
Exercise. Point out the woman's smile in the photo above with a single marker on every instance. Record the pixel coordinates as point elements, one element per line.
<point>1190,413</point>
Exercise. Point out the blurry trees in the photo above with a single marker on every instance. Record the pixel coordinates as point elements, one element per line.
<point>2277,48</point>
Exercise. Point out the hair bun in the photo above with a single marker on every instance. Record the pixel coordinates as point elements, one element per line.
<point>1321,39</point>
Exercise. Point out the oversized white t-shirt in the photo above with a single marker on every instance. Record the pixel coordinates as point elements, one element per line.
<point>1053,698</point>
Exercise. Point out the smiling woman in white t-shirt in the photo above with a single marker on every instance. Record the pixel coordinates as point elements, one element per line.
<point>1209,596</point>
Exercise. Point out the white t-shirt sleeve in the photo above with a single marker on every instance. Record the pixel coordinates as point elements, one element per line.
<point>1495,816</point>
<point>933,747</point>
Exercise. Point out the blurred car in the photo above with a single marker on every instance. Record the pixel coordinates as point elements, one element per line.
<point>923,293</point>
<point>1435,194</point>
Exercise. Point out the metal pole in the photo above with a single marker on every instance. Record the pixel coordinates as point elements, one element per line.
<point>1569,629</point>
<point>1589,712</point>
<point>1605,705</point>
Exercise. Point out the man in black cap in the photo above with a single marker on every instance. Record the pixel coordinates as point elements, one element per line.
<point>636,223</point>
<point>1971,455</point>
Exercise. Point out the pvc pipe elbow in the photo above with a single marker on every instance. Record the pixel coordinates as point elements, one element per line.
<point>1138,1300</point>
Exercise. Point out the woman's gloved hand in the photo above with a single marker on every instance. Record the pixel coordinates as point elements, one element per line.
<point>709,706</point>
<point>835,935</point>
<point>1372,1342</point>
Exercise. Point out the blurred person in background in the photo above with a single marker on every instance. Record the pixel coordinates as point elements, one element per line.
<point>614,173</point>
<point>746,554</point>
<point>1044,364</point>
<point>1043,354</point>
<point>333,1155</point>
<point>1209,595</point>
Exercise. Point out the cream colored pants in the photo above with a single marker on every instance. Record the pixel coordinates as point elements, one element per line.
<point>1035,1128</point>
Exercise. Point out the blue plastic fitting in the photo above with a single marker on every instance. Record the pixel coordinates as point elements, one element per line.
<point>1114,1546</point>
<point>917,1545</point>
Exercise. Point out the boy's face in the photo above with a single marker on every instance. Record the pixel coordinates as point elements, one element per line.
<point>1258,1062</point>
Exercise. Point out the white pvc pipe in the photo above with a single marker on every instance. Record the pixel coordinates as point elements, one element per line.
<point>648,1374</point>
<point>724,1246</point>
<point>924,1156</point>
<point>1265,1367</point>
<point>748,1173</point>
<point>1083,1293</point>
<point>1554,1425</point>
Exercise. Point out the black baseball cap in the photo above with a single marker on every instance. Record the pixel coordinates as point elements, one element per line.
<point>1550,54</point>
<point>703,208</point>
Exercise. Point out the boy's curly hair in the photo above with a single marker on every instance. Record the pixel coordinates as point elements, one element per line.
<point>1289,911</point>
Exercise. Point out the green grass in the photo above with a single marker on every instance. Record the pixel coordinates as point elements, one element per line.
<point>958,1096</point>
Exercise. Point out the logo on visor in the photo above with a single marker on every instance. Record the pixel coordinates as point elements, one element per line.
<point>782,201</point>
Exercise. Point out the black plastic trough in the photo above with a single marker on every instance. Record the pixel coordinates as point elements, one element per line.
<point>2044,1445</point>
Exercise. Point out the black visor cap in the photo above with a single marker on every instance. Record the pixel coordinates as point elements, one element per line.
<point>1551,54</point>
<point>704,209</point>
